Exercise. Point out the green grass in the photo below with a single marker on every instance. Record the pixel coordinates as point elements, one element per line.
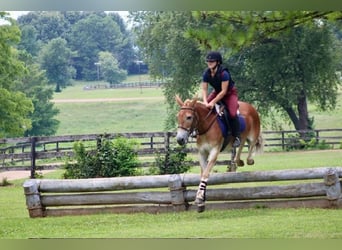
<point>148,116</point>
<point>250,223</point>
<point>111,117</point>
<point>139,116</point>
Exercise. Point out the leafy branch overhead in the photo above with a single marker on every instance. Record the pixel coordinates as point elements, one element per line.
<point>237,29</point>
<point>280,60</point>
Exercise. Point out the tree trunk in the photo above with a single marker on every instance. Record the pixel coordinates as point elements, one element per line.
<point>300,121</point>
<point>302,107</point>
<point>293,116</point>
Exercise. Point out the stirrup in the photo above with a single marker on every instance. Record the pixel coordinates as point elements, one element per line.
<point>236,142</point>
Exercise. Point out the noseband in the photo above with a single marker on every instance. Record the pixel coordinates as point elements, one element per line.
<point>194,125</point>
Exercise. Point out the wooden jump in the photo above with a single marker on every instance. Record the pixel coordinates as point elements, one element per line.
<point>314,187</point>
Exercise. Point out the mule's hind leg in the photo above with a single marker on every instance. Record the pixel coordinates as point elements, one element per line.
<point>232,163</point>
<point>250,160</point>
<point>238,160</point>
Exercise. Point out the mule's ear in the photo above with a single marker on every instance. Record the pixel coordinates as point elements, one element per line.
<point>179,101</point>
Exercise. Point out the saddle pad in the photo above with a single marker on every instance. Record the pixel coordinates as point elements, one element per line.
<point>224,129</point>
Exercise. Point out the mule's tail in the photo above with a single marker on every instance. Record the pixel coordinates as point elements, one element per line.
<point>259,146</point>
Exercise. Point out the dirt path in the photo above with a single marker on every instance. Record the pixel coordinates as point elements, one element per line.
<point>107,99</point>
<point>22,174</point>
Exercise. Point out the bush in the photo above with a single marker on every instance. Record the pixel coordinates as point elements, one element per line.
<point>174,161</point>
<point>110,159</point>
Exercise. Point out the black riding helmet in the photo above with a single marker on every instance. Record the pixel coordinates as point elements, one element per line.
<point>214,56</point>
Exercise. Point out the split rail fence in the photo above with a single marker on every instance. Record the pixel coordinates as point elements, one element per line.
<point>29,153</point>
<point>315,187</point>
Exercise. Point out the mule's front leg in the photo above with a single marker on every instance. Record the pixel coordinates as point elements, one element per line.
<point>205,171</point>
<point>200,196</point>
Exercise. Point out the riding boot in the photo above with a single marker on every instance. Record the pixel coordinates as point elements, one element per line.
<point>235,124</point>
<point>229,129</point>
<point>227,121</point>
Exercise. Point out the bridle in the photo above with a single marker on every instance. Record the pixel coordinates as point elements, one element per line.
<point>195,123</point>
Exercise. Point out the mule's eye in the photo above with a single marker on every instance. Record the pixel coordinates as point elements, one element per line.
<point>189,117</point>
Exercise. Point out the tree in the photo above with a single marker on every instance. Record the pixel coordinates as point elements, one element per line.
<point>48,24</point>
<point>260,43</point>
<point>126,55</point>
<point>88,37</point>
<point>14,105</point>
<point>35,85</point>
<point>170,55</point>
<point>284,58</point>
<point>287,73</point>
<point>238,29</point>
<point>110,68</point>
<point>55,60</point>
<point>28,41</point>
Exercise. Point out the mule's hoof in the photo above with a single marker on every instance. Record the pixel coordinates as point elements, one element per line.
<point>250,161</point>
<point>200,208</point>
<point>232,168</point>
<point>240,163</point>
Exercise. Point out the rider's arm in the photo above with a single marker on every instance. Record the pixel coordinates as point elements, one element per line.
<point>221,94</point>
<point>205,91</point>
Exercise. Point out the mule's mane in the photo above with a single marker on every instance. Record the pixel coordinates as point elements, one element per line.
<point>190,102</point>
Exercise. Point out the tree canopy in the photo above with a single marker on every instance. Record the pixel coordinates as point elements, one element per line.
<point>14,105</point>
<point>279,59</point>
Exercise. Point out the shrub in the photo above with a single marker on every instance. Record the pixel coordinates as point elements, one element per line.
<point>111,158</point>
<point>174,161</point>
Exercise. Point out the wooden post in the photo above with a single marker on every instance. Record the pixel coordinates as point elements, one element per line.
<point>33,201</point>
<point>177,193</point>
<point>33,157</point>
<point>333,187</point>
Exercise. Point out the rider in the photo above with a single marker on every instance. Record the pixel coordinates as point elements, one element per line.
<point>223,90</point>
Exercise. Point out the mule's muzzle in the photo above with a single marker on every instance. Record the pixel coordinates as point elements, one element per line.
<point>181,141</point>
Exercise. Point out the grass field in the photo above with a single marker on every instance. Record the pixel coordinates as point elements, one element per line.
<point>137,116</point>
<point>248,224</point>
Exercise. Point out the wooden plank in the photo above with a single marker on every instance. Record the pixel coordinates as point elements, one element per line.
<point>103,184</point>
<point>153,209</point>
<point>106,199</point>
<point>264,192</point>
<point>136,182</point>
<point>261,176</point>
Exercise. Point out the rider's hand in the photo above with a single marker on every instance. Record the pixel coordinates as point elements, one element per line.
<point>210,105</point>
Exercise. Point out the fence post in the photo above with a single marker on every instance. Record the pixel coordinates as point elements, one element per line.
<point>33,202</point>
<point>33,156</point>
<point>317,136</point>
<point>333,187</point>
<point>177,192</point>
<point>283,140</point>
<point>167,140</point>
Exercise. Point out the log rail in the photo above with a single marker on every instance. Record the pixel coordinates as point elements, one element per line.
<point>314,187</point>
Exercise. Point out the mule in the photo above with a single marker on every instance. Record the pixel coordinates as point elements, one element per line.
<point>195,117</point>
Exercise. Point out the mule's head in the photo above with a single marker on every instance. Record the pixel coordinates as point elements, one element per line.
<point>186,120</point>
